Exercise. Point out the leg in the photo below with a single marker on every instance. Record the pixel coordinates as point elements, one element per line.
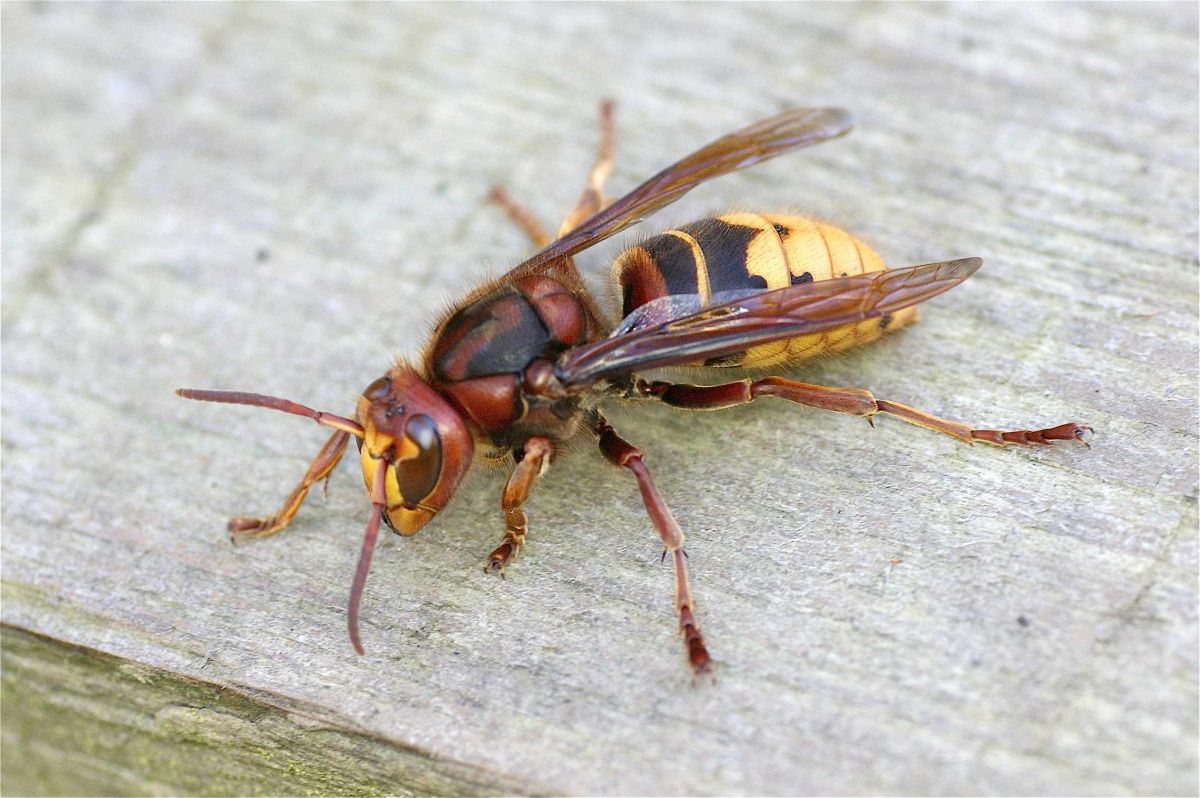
<point>523,217</point>
<point>534,459</point>
<point>620,452</point>
<point>854,401</point>
<point>592,199</point>
<point>243,529</point>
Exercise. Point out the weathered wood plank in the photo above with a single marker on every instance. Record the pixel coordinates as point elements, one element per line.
<point>279,199</point>
<point>83,722</point>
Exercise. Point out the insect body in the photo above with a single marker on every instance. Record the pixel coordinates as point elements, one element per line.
<point>742,253</point>
<point>523,364</point>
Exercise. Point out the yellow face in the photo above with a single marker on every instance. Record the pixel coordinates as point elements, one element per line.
<point>403,518</point>
<point>424,444</point>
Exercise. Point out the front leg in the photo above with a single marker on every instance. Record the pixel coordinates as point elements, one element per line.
<point>535,457</point>
<point>243,529</point>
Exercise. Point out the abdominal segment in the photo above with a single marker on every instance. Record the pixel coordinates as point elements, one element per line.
<point>754,252</point>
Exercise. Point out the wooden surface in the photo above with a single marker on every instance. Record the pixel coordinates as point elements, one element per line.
<point>279,198</point>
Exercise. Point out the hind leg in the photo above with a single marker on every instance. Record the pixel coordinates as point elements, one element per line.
<point>592,199</point>
<point>852,401</point>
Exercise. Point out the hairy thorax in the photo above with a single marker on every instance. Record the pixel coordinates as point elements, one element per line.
<point>486,358</point>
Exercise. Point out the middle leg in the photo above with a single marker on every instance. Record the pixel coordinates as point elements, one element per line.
<point>620,452</point>
<point>521,216</point>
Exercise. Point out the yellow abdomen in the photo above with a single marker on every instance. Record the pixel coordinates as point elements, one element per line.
<point>750,251</point>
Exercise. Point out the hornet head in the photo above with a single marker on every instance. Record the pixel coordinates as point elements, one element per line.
<point>422,441</point>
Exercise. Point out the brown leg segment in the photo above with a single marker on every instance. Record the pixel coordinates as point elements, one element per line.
<point>244,529</point>
<point>521,215</point>
<point>620,452</point>
<point>853,401</point>
<point>592,199</point>
<point>534,458</point>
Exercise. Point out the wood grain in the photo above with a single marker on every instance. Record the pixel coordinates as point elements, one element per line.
<point>280,198</point>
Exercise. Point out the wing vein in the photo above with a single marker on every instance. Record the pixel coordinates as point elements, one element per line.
<point>757,319</point>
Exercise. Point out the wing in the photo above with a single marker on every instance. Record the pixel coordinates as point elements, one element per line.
<point>790,130</point>
<point>756,319</point>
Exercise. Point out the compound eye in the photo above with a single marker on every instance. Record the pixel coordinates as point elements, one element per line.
<point>417,477</point>
<point>378,389</point>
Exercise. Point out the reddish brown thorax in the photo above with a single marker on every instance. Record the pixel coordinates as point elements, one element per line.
<point>492,359</point>
<point>423,441</point>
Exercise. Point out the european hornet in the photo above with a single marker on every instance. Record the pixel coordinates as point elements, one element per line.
<point>523,364</point>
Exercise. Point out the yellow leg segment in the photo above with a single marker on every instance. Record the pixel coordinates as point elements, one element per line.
<point>243,529</point>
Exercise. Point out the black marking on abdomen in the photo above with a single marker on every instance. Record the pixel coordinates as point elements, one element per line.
<point>675,261</point>
<point>725,247</point>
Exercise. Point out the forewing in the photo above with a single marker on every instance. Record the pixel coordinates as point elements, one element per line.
<point>788,131</point>
<point>760,318</point>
